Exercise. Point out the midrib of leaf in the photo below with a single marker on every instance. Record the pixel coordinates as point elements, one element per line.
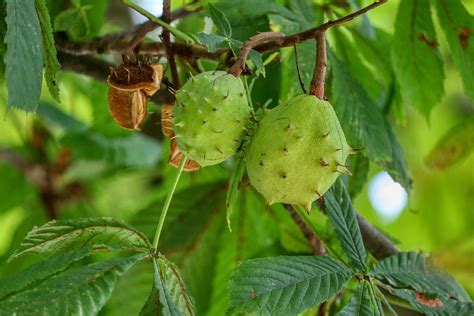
<point>182,288</point>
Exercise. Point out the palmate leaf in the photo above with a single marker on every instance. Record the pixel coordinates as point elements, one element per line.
<point>82,291</point>
<point>102,233</point>
<point>285,285</point>
<point>173,293</point>
<point>412,270</point>
<point>458,26</point>
<point>39,272</point>
<point>361,120</point>
<point>51,64</point>
<point>24,56</point>
<point>415,58</point>
<point>343,218</point>
<point>360,303</point>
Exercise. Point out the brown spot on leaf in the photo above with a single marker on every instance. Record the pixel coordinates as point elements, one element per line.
<point>427,301</point>
<point>253,294</point>
<point>432,44</point>
<point>464,34</point>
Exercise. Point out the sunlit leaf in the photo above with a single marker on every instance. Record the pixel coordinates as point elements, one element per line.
<point>415,58</point>
<point>456,145</point>
<point>458,26</point>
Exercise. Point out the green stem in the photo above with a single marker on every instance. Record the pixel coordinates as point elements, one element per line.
<point>167,204</point>
<point>177,33</point>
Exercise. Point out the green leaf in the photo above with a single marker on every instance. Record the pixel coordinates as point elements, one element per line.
<point>211,41</point>
<point>360,303</point>
<point>359,167</point>
<point>233,190</point>
<point>415,57</point>
<point>343,218</point>
<point>82,291</point>
<point>397,165</point>
<point>361,120</point>
<point>3,31</point>
<point>456,145</point>
<point>220,20</point>
<point>24,57</point>
<point>152,306</point>
<point>285,285</point>
<point>137,150</point>
<point>411,270</point>
<point>304,9</point>
<point>439,305</point>
<point>253,56</point>
<point>57,118</point>
<point>173,293</point>
<point>39,272</point>
<point>74,21</point>
<point>50,55</point>
<point>458,26</point>
<point>101,233</point>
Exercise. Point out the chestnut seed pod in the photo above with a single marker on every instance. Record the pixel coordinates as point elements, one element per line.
<point>136,76</point>
<point>128,108</point>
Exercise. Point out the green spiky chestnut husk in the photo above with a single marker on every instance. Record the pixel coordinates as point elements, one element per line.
<point>210,116</point>
<point>297,152</point>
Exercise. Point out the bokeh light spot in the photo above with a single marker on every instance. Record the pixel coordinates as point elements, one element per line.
<point>387,197</point>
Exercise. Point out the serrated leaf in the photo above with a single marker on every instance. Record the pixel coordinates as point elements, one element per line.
<point>360,303</point>
<point>456,145</point>
<point>397,165</point>
<point>211,41</point>
<point>285,285</point>
<point>343,219</point>
<point>24,56</point>
<point>415,58</point>
<point>173,293</point>
<point>63,235</point>
<point>51,64</point>
<point>359,167</point>
<point>458,26</point>
<point>39,272</point>
<point>82,291</point>
<point>361,120</point>
<point>412,271</point>
<point>220,20</point>
<point>439,305</point>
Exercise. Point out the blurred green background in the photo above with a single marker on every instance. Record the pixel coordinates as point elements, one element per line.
<point>117,173</point>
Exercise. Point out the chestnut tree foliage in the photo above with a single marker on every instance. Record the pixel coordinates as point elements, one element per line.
<point>221,249</point>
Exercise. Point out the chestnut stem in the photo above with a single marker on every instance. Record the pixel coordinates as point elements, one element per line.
<point>255,40</point>
<point>319,75</point>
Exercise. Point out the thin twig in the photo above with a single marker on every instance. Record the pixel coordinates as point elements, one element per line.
<point>298,70</point>
<point>109,45</point>
<point>168,46</point>
<point>319,75</point>
<point>255,40</point>
<point>313,240</point>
